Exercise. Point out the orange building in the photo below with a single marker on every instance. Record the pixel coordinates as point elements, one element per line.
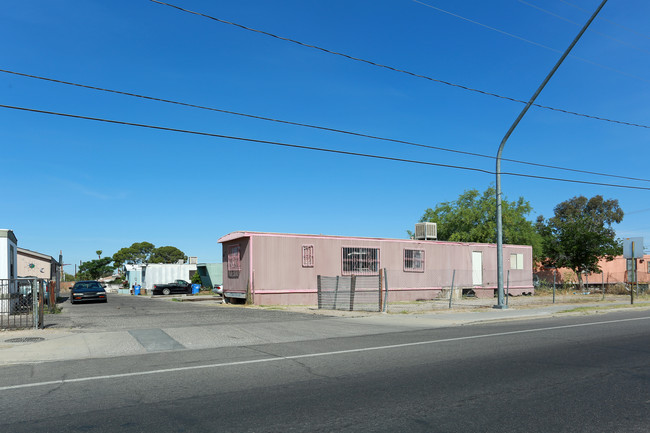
<point>612,272</point>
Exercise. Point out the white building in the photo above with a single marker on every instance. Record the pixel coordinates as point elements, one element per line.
<point>146,275</point>
<point>8,260</point>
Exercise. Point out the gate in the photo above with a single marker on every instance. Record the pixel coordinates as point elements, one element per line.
<point>350,293</point>
<point>21,303</point>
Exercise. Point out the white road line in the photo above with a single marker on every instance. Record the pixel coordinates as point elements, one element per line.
<point>309,355</point>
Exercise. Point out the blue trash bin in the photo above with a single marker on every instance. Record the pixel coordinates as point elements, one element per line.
<point>136,290</point>
<point>195,288</point>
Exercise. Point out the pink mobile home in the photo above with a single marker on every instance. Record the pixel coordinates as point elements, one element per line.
<point>275,268</point>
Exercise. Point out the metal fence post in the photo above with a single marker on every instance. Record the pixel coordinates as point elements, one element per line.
<point>508,287</point>
<point>353,285</point>
<point>336,291</point>
<point>602,284</point>
<point>318,289</point>
<point>35,302</point>
<point>386,294</point>
<point>554,275</point>
<point>636,277</point>
<point>451,292</point>
<point>381,281</point>
<point>51,298</point>
<point>41,309</point>
<point>633,270</point>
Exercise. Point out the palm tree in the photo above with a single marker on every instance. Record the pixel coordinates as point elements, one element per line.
<point>99,253</point>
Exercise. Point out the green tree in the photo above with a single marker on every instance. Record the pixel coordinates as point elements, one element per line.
<point>580,234</point>
<point>167,254</point>
<point>472,218</point>
<point>122,256</point>
<point>143,251</point>
<point>99,254</point>
<point>95,269</point>
<point>138,252</point>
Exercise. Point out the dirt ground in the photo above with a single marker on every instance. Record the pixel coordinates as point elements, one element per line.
<point>440,305</point>
<point>518,302</point>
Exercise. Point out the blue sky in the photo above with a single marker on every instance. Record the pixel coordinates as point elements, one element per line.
<point>81,186</point>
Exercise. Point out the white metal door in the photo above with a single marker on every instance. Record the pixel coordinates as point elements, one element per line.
<point>477,268</point>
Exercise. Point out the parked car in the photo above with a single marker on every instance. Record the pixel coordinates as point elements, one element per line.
<point>178,286</point>
<point>87,291</point>
<point>218,289</point>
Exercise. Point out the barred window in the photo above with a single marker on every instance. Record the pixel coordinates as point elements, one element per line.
<point>414,260</point>
<point>234,261</point>
<point>307,256</point>
<point>360,261</point>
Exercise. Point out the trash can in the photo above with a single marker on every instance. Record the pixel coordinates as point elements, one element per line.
<point>136,290</point>
<point>195,288</point>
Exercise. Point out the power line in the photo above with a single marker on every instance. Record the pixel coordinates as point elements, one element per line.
<point>608,20</point>
<point>341,131</point>
<point>560,17</point>
<point>413,74</point>
<point>318,149</point>
<point>528,41</point>
<point>582,59</point>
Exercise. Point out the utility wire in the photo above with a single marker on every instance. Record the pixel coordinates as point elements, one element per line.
<point>608,20</point>
<point>582,59</point>
<point>318,149</point>
<point>341,131</point>
<point>560,17</point>
<point>413,74</point>
<point>494,29</point>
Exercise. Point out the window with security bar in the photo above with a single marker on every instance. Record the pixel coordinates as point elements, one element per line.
<point>307,256</point>
<point>414,260</point>
<point>360,261</point>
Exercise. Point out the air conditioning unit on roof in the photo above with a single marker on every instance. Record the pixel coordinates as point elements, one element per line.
<point>426,231</point>
<point>192,260</point>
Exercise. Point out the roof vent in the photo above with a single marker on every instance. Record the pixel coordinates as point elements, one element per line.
<point>192,260</point>
<point>426,231</point>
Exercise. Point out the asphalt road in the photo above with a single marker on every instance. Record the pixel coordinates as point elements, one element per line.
<point>136,312</point>
<point>569,374</point>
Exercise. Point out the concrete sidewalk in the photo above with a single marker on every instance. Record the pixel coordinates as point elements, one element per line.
<point>34,346</point>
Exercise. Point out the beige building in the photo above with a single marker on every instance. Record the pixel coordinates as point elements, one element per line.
<point>36,265</point>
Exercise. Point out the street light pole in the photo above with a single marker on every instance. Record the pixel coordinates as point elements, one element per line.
<point>500,303</point>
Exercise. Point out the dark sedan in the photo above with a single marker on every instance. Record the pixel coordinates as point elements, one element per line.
<point>178,286</point>
<point>87,291</point>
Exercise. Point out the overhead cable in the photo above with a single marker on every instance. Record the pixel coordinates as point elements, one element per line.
<point>582,59</point>
<point>413,74</point>
<point>608,20</point>
<point>341,131</point>
<point>560,17</point>
<point>318,149</point>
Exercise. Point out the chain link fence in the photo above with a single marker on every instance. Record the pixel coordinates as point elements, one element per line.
<point>398,290</point>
